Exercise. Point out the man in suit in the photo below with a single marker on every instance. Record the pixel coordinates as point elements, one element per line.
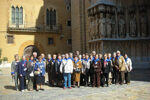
<point>22,73</point>
<point>97,66</point>
<point>120,65</point>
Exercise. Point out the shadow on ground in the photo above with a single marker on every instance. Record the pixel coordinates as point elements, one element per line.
<point>140,75</point>
<point>9,87</point>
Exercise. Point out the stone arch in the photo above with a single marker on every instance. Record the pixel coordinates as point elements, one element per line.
<point>28,43</point>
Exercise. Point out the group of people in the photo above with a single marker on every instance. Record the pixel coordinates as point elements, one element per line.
<point>71,70</point>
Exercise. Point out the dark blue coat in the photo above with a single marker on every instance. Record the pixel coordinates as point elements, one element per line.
<point>41,66</point>
<point>23,67</point>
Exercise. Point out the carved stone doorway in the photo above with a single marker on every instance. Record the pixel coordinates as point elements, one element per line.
<point>28,51</point>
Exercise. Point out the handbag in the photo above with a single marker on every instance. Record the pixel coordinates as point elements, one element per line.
<point>36,72</point>
<point>31,74</point>
<point>78,70</point>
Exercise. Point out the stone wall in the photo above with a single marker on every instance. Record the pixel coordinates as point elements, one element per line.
<point>34,17</point>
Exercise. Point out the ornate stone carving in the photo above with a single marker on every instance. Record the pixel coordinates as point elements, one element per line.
<point>102,23</point>
<point>132,25</point>
<point>113,22</point>
<point>108,26</point>
<point>143,24</point>
<point>121,26</point>
<point>96,27</point>
<point>90,29</point>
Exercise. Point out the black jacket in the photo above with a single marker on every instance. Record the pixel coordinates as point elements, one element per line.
<point>57,66</point>
<point>30,68</point>
<point>106,69</point>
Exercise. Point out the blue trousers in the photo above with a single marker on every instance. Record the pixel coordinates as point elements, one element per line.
<point>67,78</point>
<point>22,83</point>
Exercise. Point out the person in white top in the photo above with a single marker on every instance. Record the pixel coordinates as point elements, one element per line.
<point>128,63</point>
<point>86,69</point>
<point>66,68</point>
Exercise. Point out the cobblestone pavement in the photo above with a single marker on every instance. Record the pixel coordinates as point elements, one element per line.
<point>138,90</point>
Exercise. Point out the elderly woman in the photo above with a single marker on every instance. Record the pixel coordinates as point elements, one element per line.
<point>96,71</point>
<point>86,69</point>
<point>30,73</point>
<point>77,65</point>
<point>128,63</point>
<point>39,71</point>
<point>106,69</point>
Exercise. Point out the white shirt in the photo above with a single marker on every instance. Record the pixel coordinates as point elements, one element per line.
<point>128,64</point>
<point>66,66</point>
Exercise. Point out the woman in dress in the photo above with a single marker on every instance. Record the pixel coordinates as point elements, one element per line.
<point>77,65</point>
<point>39,71</point>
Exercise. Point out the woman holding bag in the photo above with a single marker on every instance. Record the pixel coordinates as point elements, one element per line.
<point>39,71</point>
<point>77,65</point>
<point>30,73</point>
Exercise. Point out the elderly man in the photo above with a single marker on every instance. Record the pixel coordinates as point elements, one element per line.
<point>115,74</point>
<point>15,70</point>
<point>120,65</point>
<point>49,58</point>
<point>22,73</point>
<point>35,56</point>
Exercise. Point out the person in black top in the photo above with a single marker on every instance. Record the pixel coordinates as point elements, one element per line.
<point>53,70</point>
<point>30,73</point>
<point>97,71</point>
<point>59,76</point>
<point>106,70</point>
<point>49,58</point>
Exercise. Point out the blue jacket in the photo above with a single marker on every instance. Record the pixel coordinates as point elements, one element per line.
<point>23,67</point>
<point>41,66</point>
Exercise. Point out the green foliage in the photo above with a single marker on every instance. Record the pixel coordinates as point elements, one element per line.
<point>0,52</point>
<point>5,59</point>
<point>1,61</point>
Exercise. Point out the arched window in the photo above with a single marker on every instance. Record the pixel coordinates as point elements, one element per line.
<point>54,17</point>
<point>47,17</point>
<point>17,15</point>
<point>21,15</point>
<point>51,17</point>
<point>13,15</point>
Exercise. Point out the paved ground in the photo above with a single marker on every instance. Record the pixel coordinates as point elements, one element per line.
<point>139,89</point>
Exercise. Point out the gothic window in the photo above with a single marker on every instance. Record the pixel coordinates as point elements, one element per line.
<point>51,17</point>
<point>17,15</point>
<point>47,17</point>
<point>13,15</point>
<point>21,15</point>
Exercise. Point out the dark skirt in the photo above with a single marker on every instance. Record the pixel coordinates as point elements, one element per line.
<point>40,80</point>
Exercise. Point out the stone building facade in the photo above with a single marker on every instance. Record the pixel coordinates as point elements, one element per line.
<point>24,27</point>
<point>117,25</point>
<point>59,26</point>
